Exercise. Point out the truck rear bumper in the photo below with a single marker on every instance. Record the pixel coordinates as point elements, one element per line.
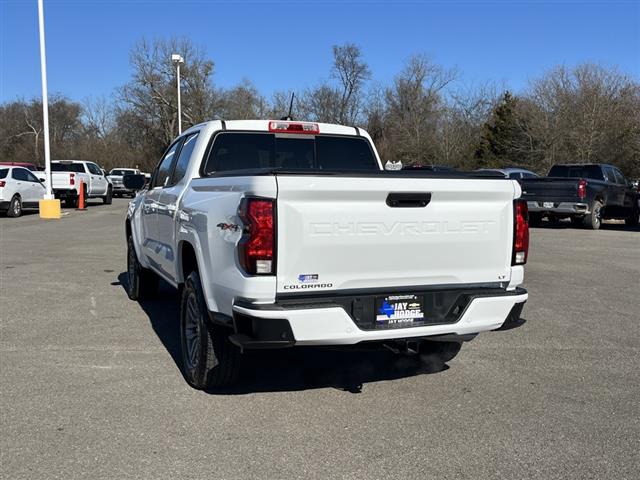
<point>568,208</point>
<point>332,325</point>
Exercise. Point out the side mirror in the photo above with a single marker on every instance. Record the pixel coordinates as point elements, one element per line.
<point>42,179</point>
<point>133,182</point>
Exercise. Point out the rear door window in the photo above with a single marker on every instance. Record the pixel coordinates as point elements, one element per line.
<point>242,151</point>
<point>619,177</point>
<point>609,175</point>
<point>20,174</point>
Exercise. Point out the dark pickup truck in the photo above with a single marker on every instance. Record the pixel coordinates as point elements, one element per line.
<point>585,193</point>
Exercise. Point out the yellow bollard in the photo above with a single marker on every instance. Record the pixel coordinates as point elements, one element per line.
<point>50,208</point>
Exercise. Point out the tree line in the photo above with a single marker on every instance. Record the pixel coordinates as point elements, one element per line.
<point>580,114</point>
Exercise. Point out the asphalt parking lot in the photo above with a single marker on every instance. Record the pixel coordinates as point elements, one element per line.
<point>91,388</point>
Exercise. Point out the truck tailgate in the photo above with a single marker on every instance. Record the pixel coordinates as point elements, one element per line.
<point>552,188</point>
<point>339,233</point>
<point>61,180</point>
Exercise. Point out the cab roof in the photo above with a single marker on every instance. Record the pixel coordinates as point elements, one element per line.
<point>263,126</point>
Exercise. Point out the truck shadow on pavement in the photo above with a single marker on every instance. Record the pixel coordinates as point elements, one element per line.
<point>293,369</point>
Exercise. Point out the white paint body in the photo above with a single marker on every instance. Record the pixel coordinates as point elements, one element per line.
<point>339,228</point>
<point>96,182</point>
<point>23,183</point>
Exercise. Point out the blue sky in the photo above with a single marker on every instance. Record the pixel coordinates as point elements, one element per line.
<point>287,45</point>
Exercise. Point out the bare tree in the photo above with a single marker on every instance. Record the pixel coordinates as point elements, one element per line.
<point>242,102</point>
<point>413,105</point>
<point>352,72</point>
<point>98,116</point>
<point>586,114</point>
<point>341,101</point>
<point>151,94</point>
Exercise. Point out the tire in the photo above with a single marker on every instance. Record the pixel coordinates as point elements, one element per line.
<point>633,218</point>
<point>594,219</point>
<point>15,207</point>
<point>107,199</point>
<point>142,283</point>
<point>209,359</point>
<point>443,352</point>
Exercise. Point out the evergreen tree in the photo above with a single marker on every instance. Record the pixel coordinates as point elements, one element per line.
<point>502,135</point>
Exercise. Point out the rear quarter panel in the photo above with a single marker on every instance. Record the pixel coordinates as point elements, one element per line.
<point>208,219</point>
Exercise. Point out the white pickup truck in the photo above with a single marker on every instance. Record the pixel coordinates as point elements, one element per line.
<point>67,175</point>
<point>116,175</point>
<point>284,233</point>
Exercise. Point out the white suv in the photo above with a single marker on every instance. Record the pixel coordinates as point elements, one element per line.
<point>19,189</point>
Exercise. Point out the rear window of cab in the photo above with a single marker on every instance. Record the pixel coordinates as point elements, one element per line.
<point>243,150</point>
<point>67,167</point>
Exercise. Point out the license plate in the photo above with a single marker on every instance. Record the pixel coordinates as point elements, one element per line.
<point>547,204</point>
<point>396,311</point>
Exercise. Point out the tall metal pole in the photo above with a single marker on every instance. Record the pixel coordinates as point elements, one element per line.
<point>179,102</point>
<point>45,101</point>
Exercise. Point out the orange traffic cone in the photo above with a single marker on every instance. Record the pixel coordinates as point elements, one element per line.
<point>81,202</point>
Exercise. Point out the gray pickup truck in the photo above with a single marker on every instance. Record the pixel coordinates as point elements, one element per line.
<point>585,193</point>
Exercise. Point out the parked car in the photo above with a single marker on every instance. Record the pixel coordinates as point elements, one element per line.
<point>116,174</point>
<point>512,172</point>
<point>585,193</point>
<point>29,166</point>
<point>19,190</point>
<point>67,176</point>
<point>280,233</point>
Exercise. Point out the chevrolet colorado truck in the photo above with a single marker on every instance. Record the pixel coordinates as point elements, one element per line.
<point>585,193</point>
<point>282,233</point>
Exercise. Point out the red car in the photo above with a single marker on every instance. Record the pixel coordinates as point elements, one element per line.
<point>29,166</point>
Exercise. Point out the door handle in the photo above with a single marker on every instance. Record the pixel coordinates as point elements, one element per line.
<point>408,199</point>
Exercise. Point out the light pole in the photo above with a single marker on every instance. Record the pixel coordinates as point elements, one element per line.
<point>45,100</point>
<point>49,206</point>
<point>177,59</point>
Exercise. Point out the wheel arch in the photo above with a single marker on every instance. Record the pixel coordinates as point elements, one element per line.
<point>187,260</point>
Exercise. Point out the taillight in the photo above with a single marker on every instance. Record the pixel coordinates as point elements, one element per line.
<point>520,233</point>
<point>294,127</point>
<point>256,247</point>
<point>2,183</point>
<point>582,189</point>
<point>72,180</point>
